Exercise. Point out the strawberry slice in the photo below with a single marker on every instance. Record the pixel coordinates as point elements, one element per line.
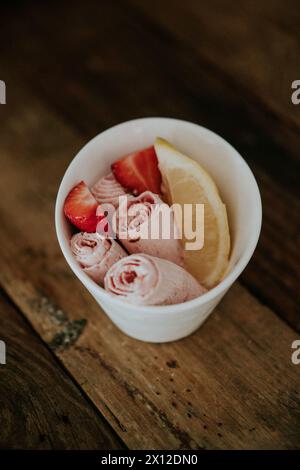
<point>139,171</point>
<point>80,208</point>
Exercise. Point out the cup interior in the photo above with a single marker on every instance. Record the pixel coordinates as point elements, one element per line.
<point>232,175</point>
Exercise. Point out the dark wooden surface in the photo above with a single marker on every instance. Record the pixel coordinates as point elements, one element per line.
<point>73,69</point>
<point>40,406</point>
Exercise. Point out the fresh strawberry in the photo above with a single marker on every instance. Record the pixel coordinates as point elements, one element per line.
<point>80,208</point>
<point>139,171</point>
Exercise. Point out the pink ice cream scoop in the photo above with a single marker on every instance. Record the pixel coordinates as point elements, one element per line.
<point>107,190</point>
<point>146,280</point>
<point>147,225</point>
<point>96,254</point>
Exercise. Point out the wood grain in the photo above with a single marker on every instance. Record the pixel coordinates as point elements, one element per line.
<point>89,82</point>
<point>41,408</point>
<point>71,74</point>
<point>254,46</point>
<point>217,389</point>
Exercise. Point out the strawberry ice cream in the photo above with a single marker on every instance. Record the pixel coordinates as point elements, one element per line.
<point>96,254</point>
<point>147,225</point>
<point>124,213</point>
<point>146,280</point>
<point>107,190</point>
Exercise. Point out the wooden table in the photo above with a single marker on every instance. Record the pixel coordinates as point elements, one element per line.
<point>72,380</point>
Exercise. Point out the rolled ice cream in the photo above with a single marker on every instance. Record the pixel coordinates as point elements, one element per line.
<point>96,254</point>
<point>107,190</point>
<point>147,280</point>
<point>147,225</point>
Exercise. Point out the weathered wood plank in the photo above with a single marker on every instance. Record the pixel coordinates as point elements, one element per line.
<point>230,385</point>
<point>90,82</point>
<point>41,408</point>
<point>254,45</point>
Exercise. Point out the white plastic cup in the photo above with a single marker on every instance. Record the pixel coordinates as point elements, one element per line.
<point>238,190</point>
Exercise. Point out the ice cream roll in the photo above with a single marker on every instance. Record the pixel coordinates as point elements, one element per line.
<point>147,225</point>
<point>96,254</point>
<point>107,190</point>
<point>147,280</point>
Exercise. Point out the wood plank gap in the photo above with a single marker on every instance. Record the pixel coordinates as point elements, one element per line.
<point>60,364</point>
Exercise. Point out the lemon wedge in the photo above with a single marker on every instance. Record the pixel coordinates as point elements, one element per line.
<point>186,182</point>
